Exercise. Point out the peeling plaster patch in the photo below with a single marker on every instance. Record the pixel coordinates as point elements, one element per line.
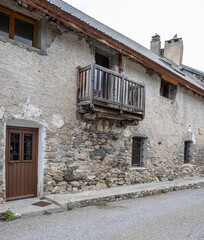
<point>57,121</point>
<point>193,138</point>
<point>1,112</point>
<point>31,111</point>
<point>190,128</point>
<point>127,133</point>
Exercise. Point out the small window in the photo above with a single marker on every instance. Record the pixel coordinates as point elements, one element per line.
<point>17,27</point>
<point>139,146</point>
<point>188,147</point>
<point>164,91</point>
<point>168,90</point>
<point>102,60</point>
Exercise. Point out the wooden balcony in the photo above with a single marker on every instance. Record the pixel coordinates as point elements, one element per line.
<point>103,93</point>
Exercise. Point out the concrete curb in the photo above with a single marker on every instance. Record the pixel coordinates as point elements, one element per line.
<point>63,202</point>
<point>87,200</point>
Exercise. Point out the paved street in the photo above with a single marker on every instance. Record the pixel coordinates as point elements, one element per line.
<point>177,215</point>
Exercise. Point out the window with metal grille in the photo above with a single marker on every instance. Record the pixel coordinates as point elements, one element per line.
<point>137,152</point>
<point>188,145</point>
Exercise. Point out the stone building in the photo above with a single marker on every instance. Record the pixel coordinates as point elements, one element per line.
<point>83,107</point>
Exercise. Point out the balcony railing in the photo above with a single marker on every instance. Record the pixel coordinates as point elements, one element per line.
<point>102,86</point>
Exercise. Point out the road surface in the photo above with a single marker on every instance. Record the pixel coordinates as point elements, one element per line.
<point>175,216</point>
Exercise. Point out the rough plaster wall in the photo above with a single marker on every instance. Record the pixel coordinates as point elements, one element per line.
<point>37,87</point>
<point>87,155</point>
<point>167,121</point>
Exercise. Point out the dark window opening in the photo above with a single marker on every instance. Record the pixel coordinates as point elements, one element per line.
<point>168,90</point>
<point>101,82</point>
<point>164,91</point>
<point>23,32</point>
<point>188,151</point>
<point>17,27</point>
<point>102,60</point>
<point>4,24</point>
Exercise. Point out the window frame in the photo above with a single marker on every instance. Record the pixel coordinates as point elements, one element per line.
<point>140,152</point>
<point>12,16</point>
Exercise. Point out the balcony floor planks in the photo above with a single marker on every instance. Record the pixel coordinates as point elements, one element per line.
<point>109,112</point>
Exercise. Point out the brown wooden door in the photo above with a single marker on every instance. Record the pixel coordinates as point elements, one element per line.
<point>21,162</point>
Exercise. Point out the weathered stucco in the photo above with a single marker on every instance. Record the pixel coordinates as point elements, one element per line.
<point>40,87</point>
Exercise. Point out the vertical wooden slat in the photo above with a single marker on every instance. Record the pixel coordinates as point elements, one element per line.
<point>117,88</point>
<point>92,83</point>
<point>109,86</point>
<point>113,88</point>
<point>85,83</point>
<point>102,84</point>
<point>125,92</point>
<point>135,95</point>
<point>98,82</point>
<point>82,84</point>
<point>89,79</point>
<point>79,82</point>
<point>121,94</point>
<point>140,97</point>
<point>106,85</point>
<point>132,94</point>
<point>11,26</point>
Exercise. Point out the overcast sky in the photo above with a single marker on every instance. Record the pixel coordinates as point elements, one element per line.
<point>141,19</point>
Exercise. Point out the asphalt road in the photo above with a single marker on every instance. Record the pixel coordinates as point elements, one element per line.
<point>176,216</point>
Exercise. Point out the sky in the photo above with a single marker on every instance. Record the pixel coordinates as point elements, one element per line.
<point>141,19</point>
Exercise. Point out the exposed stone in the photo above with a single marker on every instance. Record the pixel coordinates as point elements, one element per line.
<point>75,189</point>
<point>101,185</point>
<point>58,178</point>
<point>75,184</point>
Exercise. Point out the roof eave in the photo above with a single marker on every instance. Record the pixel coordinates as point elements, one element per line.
<point>66,18</point>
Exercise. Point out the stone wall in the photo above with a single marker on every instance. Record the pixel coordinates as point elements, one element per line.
<point>40,87</point>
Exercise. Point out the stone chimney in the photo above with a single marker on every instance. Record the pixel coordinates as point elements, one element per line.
<point>173,50</point>
<point>155,44</point>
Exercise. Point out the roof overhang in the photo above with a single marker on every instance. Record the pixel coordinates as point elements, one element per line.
<point>66,18</point>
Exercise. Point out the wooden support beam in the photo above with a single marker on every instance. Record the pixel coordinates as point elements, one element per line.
<point>168,79</point>
<point>31,8</point>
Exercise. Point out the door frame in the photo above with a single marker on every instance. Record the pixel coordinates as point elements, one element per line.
<point>36,130</point>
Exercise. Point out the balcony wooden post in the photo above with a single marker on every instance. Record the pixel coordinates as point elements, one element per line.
<point>92,84</point>
<point>78,82</point>
<point>121,94</point>
<point>143,102</point>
